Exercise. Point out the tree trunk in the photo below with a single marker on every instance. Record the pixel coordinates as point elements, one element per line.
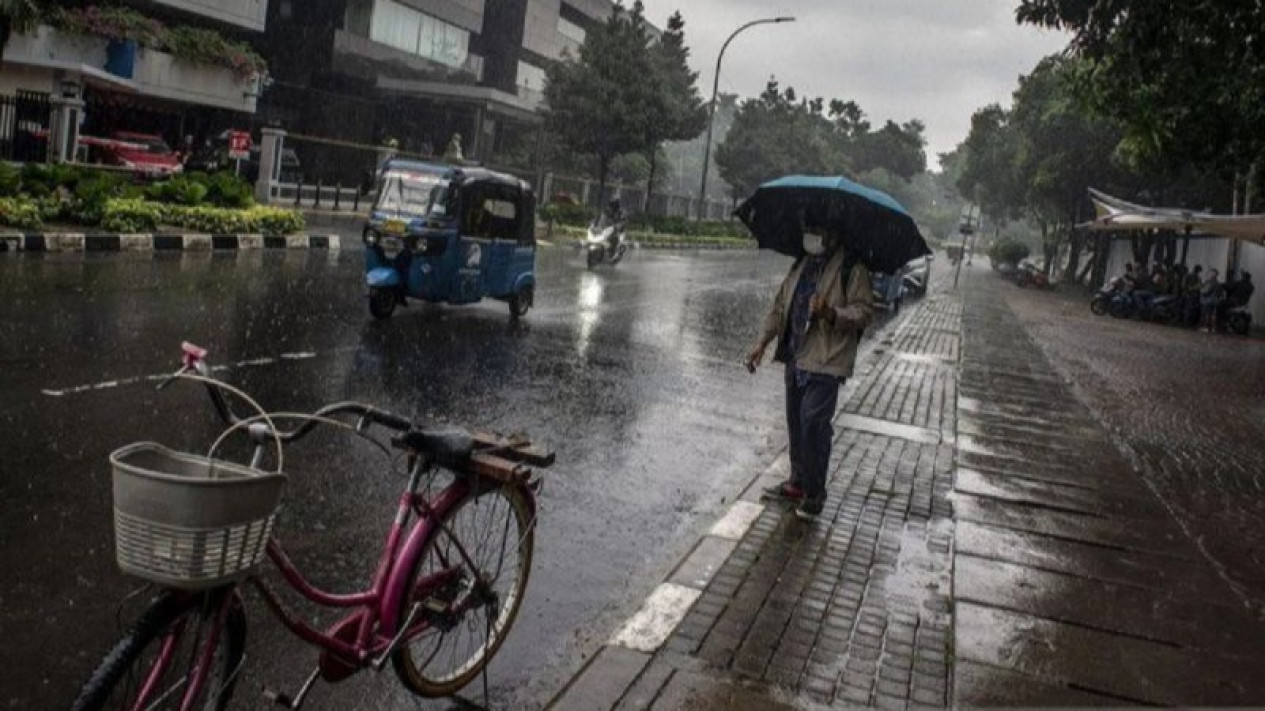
<point>603,167</point>
<point>1051,249</point>
<point>654,164</point>
<point>1075,245</point>
<point>1142,246</point>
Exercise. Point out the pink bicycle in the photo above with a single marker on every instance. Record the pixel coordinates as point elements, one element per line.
<point>448,585</point>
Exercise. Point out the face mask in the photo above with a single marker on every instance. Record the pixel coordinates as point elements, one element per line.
<point>814,244</point>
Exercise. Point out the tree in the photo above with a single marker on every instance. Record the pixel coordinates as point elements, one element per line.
<point>17,16</point>
<point>680,115</point>
<point>777,134</point>
<point>897,149</point>
<point>1186,80</point>
<point>601,103</point>
<point>988,171</point>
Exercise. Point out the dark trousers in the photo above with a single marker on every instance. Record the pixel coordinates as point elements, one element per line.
<point>809,409</point>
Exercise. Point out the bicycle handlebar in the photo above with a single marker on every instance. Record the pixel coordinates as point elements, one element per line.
<point>194,359</point>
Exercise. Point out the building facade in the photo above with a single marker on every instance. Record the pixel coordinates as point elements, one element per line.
<point>61,81</point>
<point>416,73</point>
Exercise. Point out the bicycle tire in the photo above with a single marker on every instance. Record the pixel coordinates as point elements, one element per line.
<point>164,612</point>
<point>418,671</point>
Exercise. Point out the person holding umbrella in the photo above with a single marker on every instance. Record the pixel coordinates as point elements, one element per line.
<point>821,310</point>
<point>838,231</point>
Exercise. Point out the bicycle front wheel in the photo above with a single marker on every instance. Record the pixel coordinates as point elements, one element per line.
<point>156,664</point>
<point>469,616</point>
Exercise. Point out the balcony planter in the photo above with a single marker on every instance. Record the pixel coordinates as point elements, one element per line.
<point>121,58</point>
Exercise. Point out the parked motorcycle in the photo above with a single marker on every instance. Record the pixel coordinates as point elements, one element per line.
<point>1029,276</point>
<point>1239,320</point>
<point>605,244</point>
<point>1101,303</point>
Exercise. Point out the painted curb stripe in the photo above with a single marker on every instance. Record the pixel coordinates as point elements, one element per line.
<point>647,630</point>
<point>737,521</point>
<point>116,242</point>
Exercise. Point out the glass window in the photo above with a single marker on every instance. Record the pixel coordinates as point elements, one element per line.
<point>417,33</point>
<point>531,77</point>
<point>426,36</point>
<point>395,25</point>
<point>571,31</point>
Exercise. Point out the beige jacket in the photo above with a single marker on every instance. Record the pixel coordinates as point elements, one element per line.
<point>829,349</point>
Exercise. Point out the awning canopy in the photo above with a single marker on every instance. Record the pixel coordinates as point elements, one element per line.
<point>1115,215</point>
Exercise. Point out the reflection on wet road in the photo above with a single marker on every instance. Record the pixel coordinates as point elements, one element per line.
<point>630,374</point>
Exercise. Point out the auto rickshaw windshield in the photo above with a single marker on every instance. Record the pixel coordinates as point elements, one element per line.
<point>408,193</point>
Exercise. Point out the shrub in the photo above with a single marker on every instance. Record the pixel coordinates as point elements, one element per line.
<point>41,179</point>
<point>93,191</point>
<point>22,213</point>
<point>1008,251</point>
<point>566,214</point>
<point>10,180</point>
<point>215,220</point>
<point>181,190</point>
<point>277,221</point>
<point>226,189</point>
<point>131,215</point>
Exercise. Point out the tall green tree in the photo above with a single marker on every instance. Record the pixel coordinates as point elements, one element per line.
<point>1186,80</point>
<point>680,112</point>
<point>601,102</point>
<point>898,149</point>
<point>777,134</point>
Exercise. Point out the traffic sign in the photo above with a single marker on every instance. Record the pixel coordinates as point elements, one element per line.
<point>239,144</point>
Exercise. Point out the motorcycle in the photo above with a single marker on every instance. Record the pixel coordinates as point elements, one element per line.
<point>1239,320</point>
<point>1101,303</point>
<point>605,244</point>
<point>1029,275</point>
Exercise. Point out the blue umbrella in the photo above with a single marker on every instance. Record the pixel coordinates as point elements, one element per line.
<point>876,229</point>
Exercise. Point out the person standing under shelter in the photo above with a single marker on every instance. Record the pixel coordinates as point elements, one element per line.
<point>821,310</point>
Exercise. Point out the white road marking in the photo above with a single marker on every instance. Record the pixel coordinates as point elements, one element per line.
<point>735,523</point>
<point>647,630</point>
<point>109,384</point>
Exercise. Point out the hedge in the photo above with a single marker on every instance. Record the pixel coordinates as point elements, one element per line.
<point>143,216</point>
<point>20,213</point>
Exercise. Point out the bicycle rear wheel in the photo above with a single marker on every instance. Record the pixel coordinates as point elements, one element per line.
<point>151,667</point>
<point>468,621</point>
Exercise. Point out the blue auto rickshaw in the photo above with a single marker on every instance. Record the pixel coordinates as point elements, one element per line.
<point>450,235</point>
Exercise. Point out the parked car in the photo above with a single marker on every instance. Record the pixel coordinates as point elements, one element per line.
<point>147,154</point>
<point>291,167</point>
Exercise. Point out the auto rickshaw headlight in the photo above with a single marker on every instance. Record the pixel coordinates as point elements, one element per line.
<point>371,237</point>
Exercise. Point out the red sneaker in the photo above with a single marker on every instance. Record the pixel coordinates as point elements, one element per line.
<point>786,491</point>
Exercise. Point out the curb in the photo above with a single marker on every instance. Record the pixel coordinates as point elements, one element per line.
<point>677,246</point>
<point>145,242</point>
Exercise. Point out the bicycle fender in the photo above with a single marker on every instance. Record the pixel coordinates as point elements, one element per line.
<point>396,597</point>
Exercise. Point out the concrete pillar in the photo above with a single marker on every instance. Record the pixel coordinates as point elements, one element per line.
<point>64,128</point>
<point>269,163</point>
<point>478,140</point>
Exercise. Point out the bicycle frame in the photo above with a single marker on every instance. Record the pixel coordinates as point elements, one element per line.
<point>382,604</point>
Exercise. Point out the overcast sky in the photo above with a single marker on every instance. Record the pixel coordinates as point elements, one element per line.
<point>935,60</point>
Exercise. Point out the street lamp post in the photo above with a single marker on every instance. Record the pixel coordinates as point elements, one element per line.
<point>711,117</point>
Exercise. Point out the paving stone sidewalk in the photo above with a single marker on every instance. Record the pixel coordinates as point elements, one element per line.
<point>986,542</point>
<point>852,609</point>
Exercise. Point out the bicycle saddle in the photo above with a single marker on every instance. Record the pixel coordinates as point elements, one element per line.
<point>444,444</point>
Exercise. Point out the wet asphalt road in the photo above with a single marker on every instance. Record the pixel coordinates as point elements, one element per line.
<point>630,374</point>
<point>1188,406</point>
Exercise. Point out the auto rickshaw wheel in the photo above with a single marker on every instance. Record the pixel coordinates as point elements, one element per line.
<point>382,303</point>
<point>521,301</point>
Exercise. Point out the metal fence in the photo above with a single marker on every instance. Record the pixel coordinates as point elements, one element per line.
<point>24,122</point>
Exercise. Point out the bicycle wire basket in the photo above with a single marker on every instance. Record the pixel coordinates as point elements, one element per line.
<point>188,521</point>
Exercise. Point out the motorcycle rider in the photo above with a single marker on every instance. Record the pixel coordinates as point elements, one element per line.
<point>614,216</point>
